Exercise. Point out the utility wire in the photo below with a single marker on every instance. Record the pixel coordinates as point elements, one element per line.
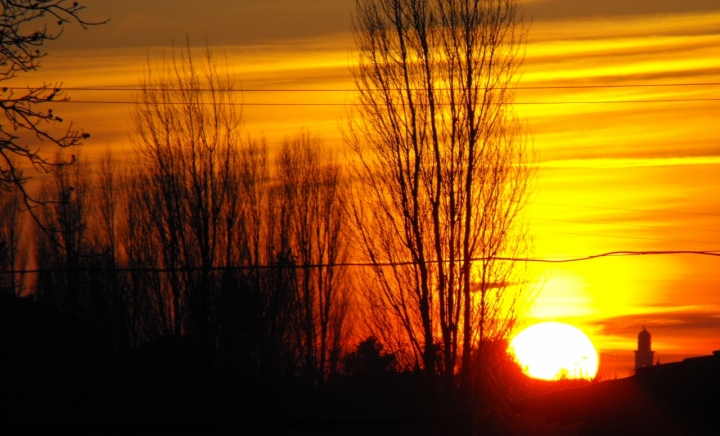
<point>529,103</point>
<point>714,253</point>
<point>134,88</point>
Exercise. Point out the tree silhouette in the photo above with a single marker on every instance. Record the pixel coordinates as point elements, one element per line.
<point>313,197</point>
<point>369,359</point>
<point>63,243</point>
<point>13,254</point>
<point>442,166</point>
<point>187,137</point>
<point>23,31</point>
<point>237,247</point>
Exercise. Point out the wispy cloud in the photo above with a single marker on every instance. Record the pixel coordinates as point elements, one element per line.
<point>630,163</point>
<point>692,328</point>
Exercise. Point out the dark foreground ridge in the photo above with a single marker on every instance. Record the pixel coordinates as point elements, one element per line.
<point>681,398</point>
<point>57,376</point>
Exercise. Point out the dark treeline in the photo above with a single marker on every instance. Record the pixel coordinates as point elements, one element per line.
<point>194,283</point>
<point>195,278</point>
<point>202,236</point>
<point>200,251</point>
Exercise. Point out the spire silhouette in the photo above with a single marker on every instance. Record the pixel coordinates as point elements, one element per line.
<point>644,354</point>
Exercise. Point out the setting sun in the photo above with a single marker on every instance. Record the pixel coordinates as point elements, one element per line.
<point>553,350</point>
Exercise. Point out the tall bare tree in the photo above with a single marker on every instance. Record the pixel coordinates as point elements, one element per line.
<point>205,212</point>
<point>443,175</point>
<point>114,305</point>
<point>63,239</point>
<point>314,195</point>
<point>187,126</point>
<point>13,252</point>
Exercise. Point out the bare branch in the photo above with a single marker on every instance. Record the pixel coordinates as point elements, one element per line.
<point>23,32</point>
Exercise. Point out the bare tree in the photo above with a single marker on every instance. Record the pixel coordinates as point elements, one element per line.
<point>314,196</point>
<point>23,31</point>
<point>113,304</point>
<point>187,134</point>
<point>13,253</point>
<point>260,306</point>
<point>148,313</point>
<point>63,239</point>
<point>202,227</point>
<point>443,175</point>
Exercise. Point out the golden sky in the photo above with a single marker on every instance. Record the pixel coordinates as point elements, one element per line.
<point>625,124</point>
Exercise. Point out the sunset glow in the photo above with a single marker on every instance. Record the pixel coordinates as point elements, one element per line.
<point>389,216</point>
<point>620,104</point>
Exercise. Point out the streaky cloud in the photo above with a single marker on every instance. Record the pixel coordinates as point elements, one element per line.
<point>631,162</point>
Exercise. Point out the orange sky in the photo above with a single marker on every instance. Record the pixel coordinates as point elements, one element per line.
<point>613,176</point>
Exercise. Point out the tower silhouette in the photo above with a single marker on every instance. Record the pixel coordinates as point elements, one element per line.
<point>644,353</point>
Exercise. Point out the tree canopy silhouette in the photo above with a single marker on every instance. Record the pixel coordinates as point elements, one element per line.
<point>369,358</point>
<point>444,171</point>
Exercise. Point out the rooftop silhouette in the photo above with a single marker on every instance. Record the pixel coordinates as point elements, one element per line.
<point>677,398</point>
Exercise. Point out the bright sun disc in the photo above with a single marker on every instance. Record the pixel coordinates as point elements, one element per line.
<point>553,350</point>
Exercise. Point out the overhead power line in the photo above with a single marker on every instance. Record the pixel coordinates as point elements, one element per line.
<point>133,88</point>
<point>714,253</point>
<point>541,103</point>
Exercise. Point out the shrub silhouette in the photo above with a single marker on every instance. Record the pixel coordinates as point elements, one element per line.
<point>369,359</point>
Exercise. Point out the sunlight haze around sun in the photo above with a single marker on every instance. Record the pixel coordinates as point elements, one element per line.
<point>554,350</point>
